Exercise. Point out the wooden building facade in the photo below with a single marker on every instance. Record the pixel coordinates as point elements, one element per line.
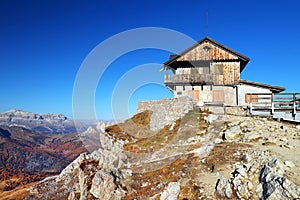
<point>209,72</point>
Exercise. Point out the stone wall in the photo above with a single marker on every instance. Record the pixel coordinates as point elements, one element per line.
<point>206,93</point>
<point>166,111</point>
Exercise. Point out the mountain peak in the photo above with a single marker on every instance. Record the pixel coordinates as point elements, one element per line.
<point>31,115</point>
<point>43,123</point>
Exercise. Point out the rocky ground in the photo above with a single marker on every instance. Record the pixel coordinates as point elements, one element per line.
<point>198,156</point>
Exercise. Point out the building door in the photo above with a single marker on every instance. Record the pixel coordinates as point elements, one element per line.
<point>194,94</point>
<point>218,96</point>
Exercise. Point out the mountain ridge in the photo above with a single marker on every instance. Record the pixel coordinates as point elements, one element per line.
<point>43,123</point>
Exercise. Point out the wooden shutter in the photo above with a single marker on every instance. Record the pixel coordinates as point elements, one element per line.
<point>218,96</point>
<point>254,98</point>
<point>194,94</point>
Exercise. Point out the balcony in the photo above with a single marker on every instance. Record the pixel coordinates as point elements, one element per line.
<point>193,79</point>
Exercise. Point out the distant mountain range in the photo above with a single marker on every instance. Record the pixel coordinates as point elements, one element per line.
<point>34,146</point>
<point>43,123</point>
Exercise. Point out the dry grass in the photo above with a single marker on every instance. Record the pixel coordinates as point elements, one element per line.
<point>155,142</point>
<point>117,133</point>
<point>190,191</point>
<point>135,127</point>
<point>190,125</point>
<point>142,119</point>
<point>224,153</point>
<point>148,184</point>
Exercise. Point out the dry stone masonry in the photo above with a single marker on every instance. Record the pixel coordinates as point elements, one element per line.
<point>166,111</point>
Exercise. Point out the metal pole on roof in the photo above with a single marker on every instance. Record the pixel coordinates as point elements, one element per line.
<point>206,23</point>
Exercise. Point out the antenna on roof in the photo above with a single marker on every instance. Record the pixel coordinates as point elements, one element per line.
<point>206,22</point>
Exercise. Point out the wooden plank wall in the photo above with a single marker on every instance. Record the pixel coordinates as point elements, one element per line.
<point>215,53</point>
<point>237,72</point>
<point>231,75</point>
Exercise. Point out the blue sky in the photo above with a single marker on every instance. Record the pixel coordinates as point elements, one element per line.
<point>43,44</point>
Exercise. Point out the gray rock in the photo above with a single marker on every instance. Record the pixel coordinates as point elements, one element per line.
<point>249,185</point>
<point>241,171</point>
<point>273,185</point>
<point>171,192</point>
<point>223,187</point>
<point>103,185</point>
<point>232,133</point>
<point>89,176</point>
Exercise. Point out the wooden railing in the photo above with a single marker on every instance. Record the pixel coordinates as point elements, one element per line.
<point>194,78</point>
<point>274,102</point>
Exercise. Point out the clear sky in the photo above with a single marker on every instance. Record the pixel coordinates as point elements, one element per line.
<point>44,43</point>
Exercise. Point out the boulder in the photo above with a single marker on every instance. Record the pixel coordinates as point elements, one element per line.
<point>223,187</point>
<point>103,185</point>
<point>273,185</point>
<point>232,133</point>
<point>171,192</point>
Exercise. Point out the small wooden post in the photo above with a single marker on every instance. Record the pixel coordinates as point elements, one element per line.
<point>294,105</point>
<point>272,104</point>
<point>251,103</point>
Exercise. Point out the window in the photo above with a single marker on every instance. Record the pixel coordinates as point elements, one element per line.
<point>254,98</point>
<point>218,96</point>
<point>218,69</point>
<point>203,70</point>
<point>194,70</point>
<point>206,48</point>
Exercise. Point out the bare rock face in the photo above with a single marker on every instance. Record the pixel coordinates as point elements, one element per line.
<point>171,192</point>
<point>98,175</point>
<point>223,187</point>
<point>273,185</point>
<point>103,185</point>
<point>261,166</point>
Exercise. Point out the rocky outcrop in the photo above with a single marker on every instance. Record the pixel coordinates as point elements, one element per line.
<point>273,185</point>
<point>166,111</point>
<point>98,175</point>
<point>223,187</point>
<point>171,192</point>
<point>103,185</point>
<point>43,123</point>
<point>259,175</point>
<point>203,155</point>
